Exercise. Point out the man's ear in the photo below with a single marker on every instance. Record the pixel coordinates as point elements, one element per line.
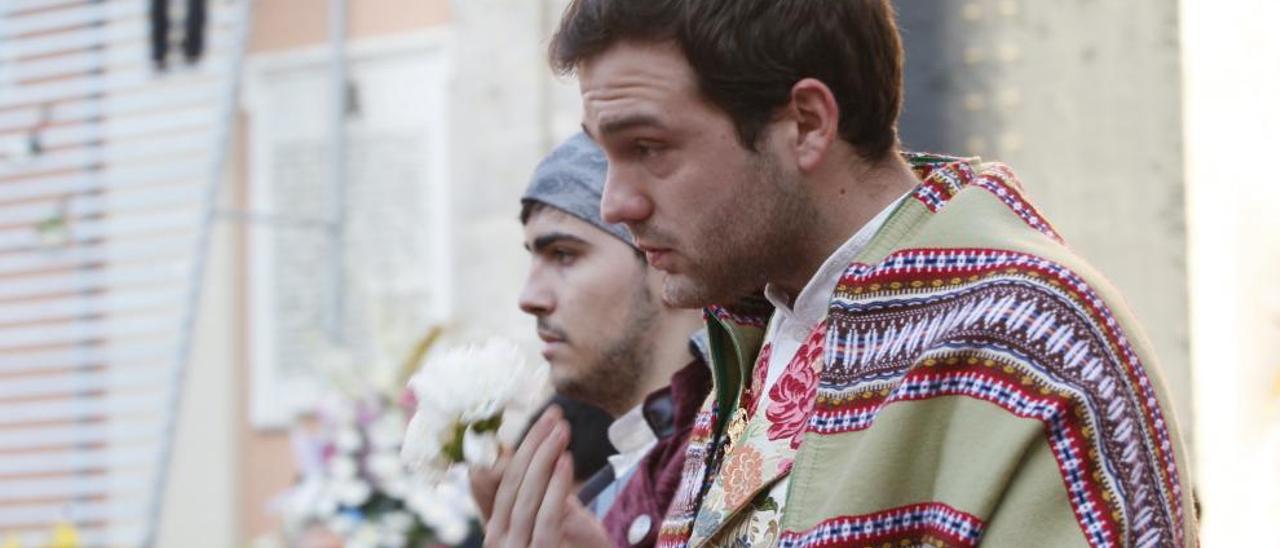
<point>817,122</point>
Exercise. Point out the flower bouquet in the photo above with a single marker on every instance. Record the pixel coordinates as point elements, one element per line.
<point>354,490</point>
<point>470,401</point>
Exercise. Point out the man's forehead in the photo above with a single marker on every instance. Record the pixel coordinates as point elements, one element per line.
<point>628,80</point>
<point>548,220</point>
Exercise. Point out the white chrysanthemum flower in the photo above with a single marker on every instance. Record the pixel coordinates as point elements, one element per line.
<point>445,506</point>
<point>480,449</point>
<point>347,440</point>
<point>343,467</point>
<point>352,493</point>
<point>384,466</point>
<point>365,536</point>
<point>423,450</point>
<point>387,432</point>
<point>399,521</point>
<point>343,524</point>
<point>391,539</point>
<point>471,390</point>
<point>326,504</point>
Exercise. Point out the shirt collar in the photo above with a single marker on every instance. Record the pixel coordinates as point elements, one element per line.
<point>631,435</point>
<point>810,306</point>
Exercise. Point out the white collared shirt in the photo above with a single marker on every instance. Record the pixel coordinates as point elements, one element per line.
<point>632,436</point>
<point>791,324</point>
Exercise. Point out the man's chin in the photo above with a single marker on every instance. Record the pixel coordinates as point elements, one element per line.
<point>682,291</point>
<point>576,391</point>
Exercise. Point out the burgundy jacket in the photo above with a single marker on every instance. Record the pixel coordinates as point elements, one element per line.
<point>639,508</point>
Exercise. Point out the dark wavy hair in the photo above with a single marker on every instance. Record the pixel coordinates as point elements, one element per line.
<point>747,55</point>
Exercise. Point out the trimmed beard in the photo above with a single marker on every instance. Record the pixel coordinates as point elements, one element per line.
<point>740,263</point>
<point>611,382</point>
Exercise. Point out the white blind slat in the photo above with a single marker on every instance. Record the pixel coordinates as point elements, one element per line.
<point>83,383</point>
<point>18,6</point>
<point>54,284</point>
<point>108,303</point>
<point>148,324</point>
<point>89,14</point>
<point>80,460</point>
<point>69,63</point>
<point>212,69</point>
<point>113,177</point>
<point>89,534</point>
<point>63,41</point>
<point>114,354</point>
<point>219,31</point>
<point>79,158</point>
<point>123,128</point>
<point>157,148</point>
<point>169,248</point>
<point>51,513</point>
<point>83,486</point>
<point>114,53</point>
<point>161,97</point>
<point>121,432</point>
<point>23,238</point>
<point>121,203</point>
<point>79,409</point>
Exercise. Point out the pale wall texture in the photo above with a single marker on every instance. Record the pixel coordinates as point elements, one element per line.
<point>200,493</point>
<point>1083,100</point>
<point>507,112</point>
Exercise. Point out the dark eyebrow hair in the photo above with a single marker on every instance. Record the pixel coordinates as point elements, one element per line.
<point>623,123</point>
<point>546,240</point>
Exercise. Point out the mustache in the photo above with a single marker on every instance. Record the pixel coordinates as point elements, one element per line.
<point>650,235</point>
<point>546,327</point>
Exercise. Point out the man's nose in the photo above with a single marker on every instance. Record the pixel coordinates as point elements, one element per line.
<point>534,299</point>
<point>623,200</point>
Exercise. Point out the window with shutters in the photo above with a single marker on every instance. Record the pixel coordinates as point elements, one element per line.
<point>107,169</point>
<point>390,276</point>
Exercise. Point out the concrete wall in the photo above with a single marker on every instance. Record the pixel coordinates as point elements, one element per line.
<point>507,112</point>
<point>1083,99</point>
<point>201,492</point>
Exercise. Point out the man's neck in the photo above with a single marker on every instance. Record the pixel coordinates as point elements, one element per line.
<point>844,201</point>
<point>670,354</point>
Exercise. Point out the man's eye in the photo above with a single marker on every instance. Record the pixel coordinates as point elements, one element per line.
<point>646,149</point>
<point>561,256</point>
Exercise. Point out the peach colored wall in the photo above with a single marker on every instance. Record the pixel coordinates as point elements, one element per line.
<point>286,24</point>
<point>266,463</point>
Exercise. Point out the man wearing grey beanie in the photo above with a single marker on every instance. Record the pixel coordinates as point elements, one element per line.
<point>612,343</point>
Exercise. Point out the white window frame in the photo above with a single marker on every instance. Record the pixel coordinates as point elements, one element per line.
<point>275,399</point>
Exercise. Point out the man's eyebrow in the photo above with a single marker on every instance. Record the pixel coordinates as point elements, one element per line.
<point>546,240</point>
<point>619,124</point>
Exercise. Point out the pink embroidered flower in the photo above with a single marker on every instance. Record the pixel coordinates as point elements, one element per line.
<point>751,397</point>
<point>784,467</point>
<point>793,395</point>
<point>742,473</point>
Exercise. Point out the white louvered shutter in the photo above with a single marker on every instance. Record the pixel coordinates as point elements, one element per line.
<point>103,233</point>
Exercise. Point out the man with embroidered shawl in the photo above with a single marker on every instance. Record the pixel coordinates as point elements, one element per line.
<point>941,369</point>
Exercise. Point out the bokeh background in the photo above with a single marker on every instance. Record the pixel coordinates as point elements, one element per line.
<point>216,215</point>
